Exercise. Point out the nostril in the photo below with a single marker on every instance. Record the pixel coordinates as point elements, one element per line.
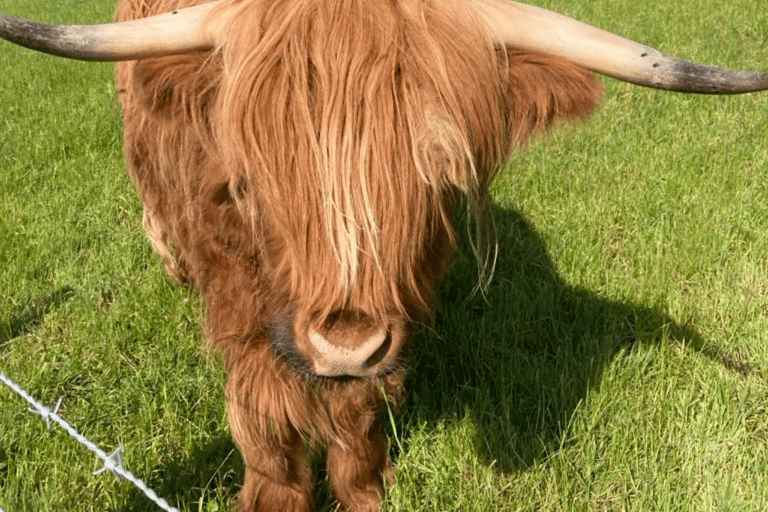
<point>380,353</point>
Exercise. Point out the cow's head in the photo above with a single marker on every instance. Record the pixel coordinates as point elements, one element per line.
<point>350,136</point>
<point>346,163</point>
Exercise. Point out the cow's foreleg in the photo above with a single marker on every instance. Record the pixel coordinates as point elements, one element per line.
<point>358,462</point>
<point>357,466</point>
<point>275,481</point>
<point>277,474</point>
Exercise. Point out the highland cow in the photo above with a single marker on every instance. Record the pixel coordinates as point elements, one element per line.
<point>299,162</point>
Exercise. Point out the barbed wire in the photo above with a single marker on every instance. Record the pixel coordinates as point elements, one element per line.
<point>112,462</point>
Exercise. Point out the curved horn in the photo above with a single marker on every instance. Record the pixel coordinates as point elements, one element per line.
<point>532,28</point>
<point>179,31</point>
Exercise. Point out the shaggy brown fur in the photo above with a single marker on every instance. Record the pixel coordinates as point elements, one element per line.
<point>305,172</point>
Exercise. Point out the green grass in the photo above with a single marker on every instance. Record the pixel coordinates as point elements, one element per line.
<point>618,361</point>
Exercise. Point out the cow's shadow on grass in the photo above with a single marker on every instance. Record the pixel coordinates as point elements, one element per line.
<point>518,359</point>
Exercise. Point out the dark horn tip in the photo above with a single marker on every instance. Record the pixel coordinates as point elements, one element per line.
<point>684,76</point>
<point>58,40</point>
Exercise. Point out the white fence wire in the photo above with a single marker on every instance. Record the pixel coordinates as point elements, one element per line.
<point>112,462</point>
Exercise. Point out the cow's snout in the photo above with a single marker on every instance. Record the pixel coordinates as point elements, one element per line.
<point>352,344</point>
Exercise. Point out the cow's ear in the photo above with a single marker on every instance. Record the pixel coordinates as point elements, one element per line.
<point>177,86</point>
<point>541,89</point>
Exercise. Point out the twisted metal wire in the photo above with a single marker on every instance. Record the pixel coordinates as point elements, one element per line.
<point>112,462</point>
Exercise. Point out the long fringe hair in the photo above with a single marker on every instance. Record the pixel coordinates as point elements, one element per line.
<point>343,129</point>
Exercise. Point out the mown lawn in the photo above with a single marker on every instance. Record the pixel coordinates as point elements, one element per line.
<point>618,361</point>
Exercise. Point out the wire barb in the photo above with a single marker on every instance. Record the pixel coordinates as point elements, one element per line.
<point>114,463</point>
<point>46,412</point>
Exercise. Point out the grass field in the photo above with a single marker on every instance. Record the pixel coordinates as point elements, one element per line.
<point>619,360</point>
